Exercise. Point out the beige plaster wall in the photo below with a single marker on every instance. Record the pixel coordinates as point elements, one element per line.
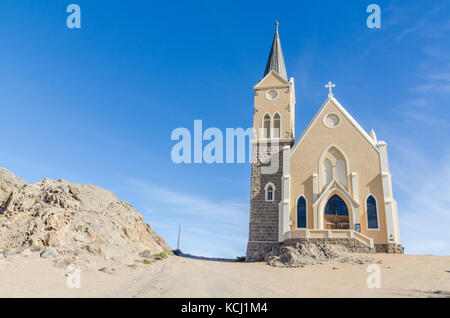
<point>263,105</point>
<point>363,159</point>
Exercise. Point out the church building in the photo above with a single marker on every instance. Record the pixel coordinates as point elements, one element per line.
<point>332,184</point>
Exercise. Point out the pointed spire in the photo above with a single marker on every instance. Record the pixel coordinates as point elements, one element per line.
<point>276,60</point>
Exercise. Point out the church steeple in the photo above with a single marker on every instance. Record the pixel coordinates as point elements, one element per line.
<point>276,60</point>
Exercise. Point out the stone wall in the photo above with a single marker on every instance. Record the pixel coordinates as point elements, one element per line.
<point>351,244</point>
<point>263,225</point>
<point>257,251</point>
<point>390,248</point>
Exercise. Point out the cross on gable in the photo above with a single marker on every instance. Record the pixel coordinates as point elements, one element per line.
<point>330,86</point>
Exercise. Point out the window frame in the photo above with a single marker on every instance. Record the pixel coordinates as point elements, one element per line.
<point>268,94</point>
<point>266,192</point>
<point>322,158</point>
<point>306,212</point>
<point>377,210</point>
<point>329,201</point>
<point>324,167</point>
<point>268,134</point>
<point>324,120</point>
<point>273,126</point>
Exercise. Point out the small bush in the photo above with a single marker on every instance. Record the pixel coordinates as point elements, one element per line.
<point>240,259</point>
<point>162,255</point>
<point>147,262</point>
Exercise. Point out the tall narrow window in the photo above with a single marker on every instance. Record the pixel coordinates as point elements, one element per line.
<point>301,212</point>
<point>266,127</point>
<point>270,192</point>
<point>328,172</point>
<point>333,166</point>
<point>276,126</point>
<point>341,172</point>
<point>372,218</point>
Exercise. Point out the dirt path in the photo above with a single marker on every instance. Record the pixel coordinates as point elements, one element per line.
<point>401,276</point>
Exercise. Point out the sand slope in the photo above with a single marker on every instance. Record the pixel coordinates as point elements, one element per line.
<point>401,276</point>
<point>105,238</point>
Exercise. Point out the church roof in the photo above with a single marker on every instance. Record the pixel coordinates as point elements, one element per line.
<point>341,108</point>
<point>276,59</point>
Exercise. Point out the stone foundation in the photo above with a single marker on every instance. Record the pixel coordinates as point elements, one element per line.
<point>351,244</point>
<point>390,248</point>
<point>257,251</point>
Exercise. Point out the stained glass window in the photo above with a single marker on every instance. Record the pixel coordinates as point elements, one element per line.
<point>301,212</point>
<point>372,219</point>
<point>336,206</point>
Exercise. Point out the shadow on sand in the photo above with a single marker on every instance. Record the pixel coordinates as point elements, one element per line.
<point>202,258</point>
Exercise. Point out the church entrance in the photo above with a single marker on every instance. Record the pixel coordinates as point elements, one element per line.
<point>336,214</point>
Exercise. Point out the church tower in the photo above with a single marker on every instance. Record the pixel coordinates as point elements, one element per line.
<point>332,186</point>
<point>273,137</point>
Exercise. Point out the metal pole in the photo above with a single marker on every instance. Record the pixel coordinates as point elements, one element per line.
<point>178,243</point>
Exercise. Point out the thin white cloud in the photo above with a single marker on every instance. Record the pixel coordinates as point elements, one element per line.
<point>443,76</point>
<point>421,117</point>
<point>434,87</point>
<point>232,213</point>
<point>422,27</point>
<point>210,227</point>
<point>419,102</point>
<point>422,187</point>
<point>429,91</point>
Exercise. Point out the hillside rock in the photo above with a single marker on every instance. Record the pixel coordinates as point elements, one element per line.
<point>313,253</point>
<point>26,252</point>
<point>75,219</point>
<point>302,254</point>
<point>49,252</point>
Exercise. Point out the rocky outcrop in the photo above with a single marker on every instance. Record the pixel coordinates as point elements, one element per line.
<point>311,252</point>
<point>49,252</point>
<point>74,219</point>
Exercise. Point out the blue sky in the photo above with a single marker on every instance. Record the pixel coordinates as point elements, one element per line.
<point>98,105</point>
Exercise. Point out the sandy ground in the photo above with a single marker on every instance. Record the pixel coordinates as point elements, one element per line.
<point>401,276</point>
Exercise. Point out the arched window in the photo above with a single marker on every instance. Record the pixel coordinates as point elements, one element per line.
<point>328,172</point>
<point>336,206</point>
<point>336,214</point>
<point>333,165</point>
<point>372,218</point>
<point>270,192</point>
<point>301,212</point>
<point>341,172</point>
<point>266,133</point>
<point>276,126</point>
